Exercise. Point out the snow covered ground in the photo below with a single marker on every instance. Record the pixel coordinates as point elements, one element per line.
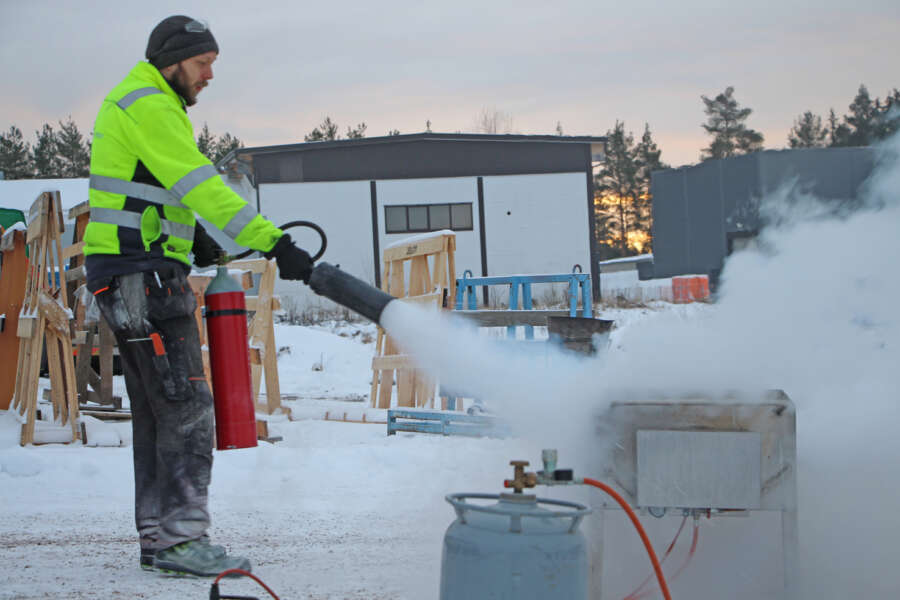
<point>335,510</point>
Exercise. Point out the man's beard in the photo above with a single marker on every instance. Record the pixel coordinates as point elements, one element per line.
<point>181,87</point>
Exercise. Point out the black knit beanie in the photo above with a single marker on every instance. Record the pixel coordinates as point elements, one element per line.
<point>172,42</point>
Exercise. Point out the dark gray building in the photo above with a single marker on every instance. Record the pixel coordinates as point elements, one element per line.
<point>704,212</point>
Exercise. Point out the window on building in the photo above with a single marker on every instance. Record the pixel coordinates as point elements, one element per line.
<point>415,218</point>
<point>395,218</point>
<point>418,218</point>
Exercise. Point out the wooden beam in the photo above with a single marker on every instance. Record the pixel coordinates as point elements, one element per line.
<point>253,302</point>
<point>423,299</point>
<point>254,265</point>
<point>26,326</point>
<point>428,246</point>
<point>76,274</point>
<point>393,361</point>
<point>70,251</point>
<point>56,315</point>
<point>509,318</point>
<point>79,209</point>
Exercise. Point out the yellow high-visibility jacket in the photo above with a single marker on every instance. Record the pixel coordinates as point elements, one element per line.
<point>147,180</point>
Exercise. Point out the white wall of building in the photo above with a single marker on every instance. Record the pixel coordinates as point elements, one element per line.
<point>536,223</point>
<point>343,209</point>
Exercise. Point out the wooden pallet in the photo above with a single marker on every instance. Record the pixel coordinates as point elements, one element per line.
<point>430,283</point>
<point>92,386</point>
<point>444,423</point>
<point>45,316</point>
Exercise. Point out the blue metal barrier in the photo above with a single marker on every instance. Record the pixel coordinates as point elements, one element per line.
<point>465,290</point>
<point>444,423</point>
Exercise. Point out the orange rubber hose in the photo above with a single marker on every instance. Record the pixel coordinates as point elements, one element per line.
<point>246,574</point>
<point>640,529</point>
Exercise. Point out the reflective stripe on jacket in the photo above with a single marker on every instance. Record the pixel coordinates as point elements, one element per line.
<point>148,179</point>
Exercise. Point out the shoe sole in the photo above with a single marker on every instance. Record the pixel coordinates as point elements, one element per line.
<point>179,572</point>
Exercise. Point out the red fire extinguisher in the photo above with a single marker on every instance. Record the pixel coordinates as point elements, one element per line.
<point>229,357</point>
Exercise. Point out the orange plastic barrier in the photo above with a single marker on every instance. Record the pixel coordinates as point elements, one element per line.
<point>690,289</point>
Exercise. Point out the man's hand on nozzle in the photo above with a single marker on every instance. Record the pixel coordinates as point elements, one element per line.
<point>207,251</point>
<point>293,262</point>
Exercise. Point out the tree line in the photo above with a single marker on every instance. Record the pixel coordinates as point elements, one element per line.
<point>622,198</point>
<point>65,152</point>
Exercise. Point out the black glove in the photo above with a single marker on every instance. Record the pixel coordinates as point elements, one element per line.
<point>206,250</point>
<point>293,262</point>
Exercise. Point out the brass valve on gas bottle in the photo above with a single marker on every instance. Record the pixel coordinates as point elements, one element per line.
<point>521,479</point>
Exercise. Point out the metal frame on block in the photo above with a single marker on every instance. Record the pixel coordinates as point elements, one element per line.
<point>579,286</point>
<point>718,456</point>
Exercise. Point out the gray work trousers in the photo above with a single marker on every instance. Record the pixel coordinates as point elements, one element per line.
<point>151,315</point>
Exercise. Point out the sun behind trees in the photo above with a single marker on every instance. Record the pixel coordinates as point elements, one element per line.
<point>622,200</point>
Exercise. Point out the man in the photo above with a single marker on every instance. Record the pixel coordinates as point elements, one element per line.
<point>147,180</point>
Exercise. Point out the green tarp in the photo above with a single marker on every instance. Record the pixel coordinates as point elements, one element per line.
<point>10,216</point>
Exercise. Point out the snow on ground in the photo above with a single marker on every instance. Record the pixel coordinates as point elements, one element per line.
<point>335,510</point>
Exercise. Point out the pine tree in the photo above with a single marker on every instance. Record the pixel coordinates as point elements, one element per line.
<point>225,144</point>
<point>617,185</point>
<point>862,121</point>
<point>206,143</point>
<point>838,133</point>
<point>808,132</point>
<point>73,151</point>
<point>358,132</point>
<point>647,159</point>
<point>327,130</point>
<point>889,120</point>
<point>15,155</point>
<point>45,154</point>
<point>725,122</point>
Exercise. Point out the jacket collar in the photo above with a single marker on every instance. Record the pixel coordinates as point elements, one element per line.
<point>149,74</point>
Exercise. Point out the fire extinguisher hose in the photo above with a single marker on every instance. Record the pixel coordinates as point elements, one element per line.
<point>289,225</point>
<point>640,529</point>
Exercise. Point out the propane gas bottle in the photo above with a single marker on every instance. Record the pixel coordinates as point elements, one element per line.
<point>521,547</point>
<point>229,360</point>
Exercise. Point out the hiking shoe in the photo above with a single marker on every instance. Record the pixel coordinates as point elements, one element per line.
<point>198,558</point>
<point>147,558</point>
<point>147,555</point>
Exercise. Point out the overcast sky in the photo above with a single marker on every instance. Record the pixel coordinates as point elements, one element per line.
<point>285,65</point>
